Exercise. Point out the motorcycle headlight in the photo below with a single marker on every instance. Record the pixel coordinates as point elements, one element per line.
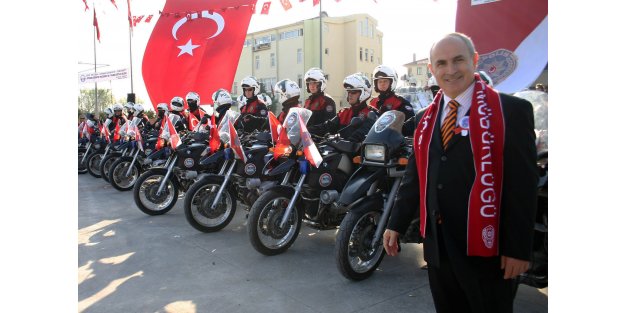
<point>375,153</point>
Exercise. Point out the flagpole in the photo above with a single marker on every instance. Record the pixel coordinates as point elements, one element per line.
<point>130,40</point>
<point>320,38</point>
<point>95,69</point>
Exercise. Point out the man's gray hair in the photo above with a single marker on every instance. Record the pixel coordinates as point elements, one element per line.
<point>466,39</point>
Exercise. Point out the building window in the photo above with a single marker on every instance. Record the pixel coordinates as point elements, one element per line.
<point>299,80</point>
<point>257,61</point>
<point>300,56</point>
<point>273,59</point>
<point>371,55</point>
<point>327,51</point>
<point>366,55</point>
<point>247,43</point>
<point>292,34</point>
<point>419,71</point>
<point>360,53</point>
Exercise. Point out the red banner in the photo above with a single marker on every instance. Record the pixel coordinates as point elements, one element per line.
<point>195,52</point>
<point>510,37</point>
<point>265,9</point>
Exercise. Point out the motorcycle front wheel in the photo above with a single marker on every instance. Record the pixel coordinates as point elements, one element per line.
<point>82,168</point>
<point>198,201</point>
<point>105,165</point>
<point>93,164</point>
<point>117,174</point>
<point>146,195</point>
<point>355,257</point>
<point>263,227</point>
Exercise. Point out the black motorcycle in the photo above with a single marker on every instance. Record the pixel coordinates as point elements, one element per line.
<point>369,195</point>
<point>307,190</point>
<point>87,143</point>
<point>210,203</point>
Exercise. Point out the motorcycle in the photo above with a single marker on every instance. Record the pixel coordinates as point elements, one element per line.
<point>102,149</point>
<point>157,189</point>
<point>210,203</point>
<point>311,180</point>
<point>88,135</point>
<point>537,274</point>
<point>118,148</point>
<point>368,197</point>
<point>124,172</point>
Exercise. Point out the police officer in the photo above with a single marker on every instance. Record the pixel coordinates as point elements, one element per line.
<point>288,93</point>
<point>254,111</point>
<point>322,106</point>
<point>193,101</point>
<point>177,108</point>
<point>385,81</point>
<point>358,90</point>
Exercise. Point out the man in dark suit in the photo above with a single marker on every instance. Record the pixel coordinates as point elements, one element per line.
<point>474,167</point>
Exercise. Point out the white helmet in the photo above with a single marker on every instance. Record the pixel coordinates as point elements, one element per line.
<point>358,81</point>
<point>109,112</point>
<point>241,101</point>
<point>177,104</point>
<point>432,81</point>
<point>315,74</point>
<point>118,107</point>
<point>285,90</point>
<point>250,81</point>
<point>266,99</point>
<point>192,95</point>
<point>383,71</point>
<point>130,107</point>
<point>138,108</point>
<point>486,78</point>
<point>163,106</point>
<point>221,96</point>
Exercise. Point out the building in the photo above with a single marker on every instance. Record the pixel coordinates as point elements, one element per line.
<point>418,73</point>
<point>350,44</point>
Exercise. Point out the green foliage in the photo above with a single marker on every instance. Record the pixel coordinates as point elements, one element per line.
<point>86,100</point>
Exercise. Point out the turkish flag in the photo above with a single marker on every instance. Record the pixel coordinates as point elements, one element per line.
<point>235,143</point>
<point>315,2</point>
<point>95,23</point>
<point>214,142</point>
<point>136,20</point>
<point>115,4</point>
<point>129,15</point>
<point>149,18</point>
<point>196,53</point>
<point>104,131</point>
<point>310,150</point>
<point>171,134</point>
<point>265,9</point>
<point>274,127</point>
<point>510,37</point>
<point>286,4</point>
<point>86,6</point>
<point>138,137</point>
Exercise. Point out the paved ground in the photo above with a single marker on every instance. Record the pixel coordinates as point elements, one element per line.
<point>132,262</point>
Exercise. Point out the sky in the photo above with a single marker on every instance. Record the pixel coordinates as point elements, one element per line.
<point>409,27</point>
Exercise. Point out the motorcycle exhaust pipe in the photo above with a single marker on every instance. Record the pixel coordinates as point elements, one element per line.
<point>223,185</point>
<point>170,168</point>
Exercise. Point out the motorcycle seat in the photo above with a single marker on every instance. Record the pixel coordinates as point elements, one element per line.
<point>344,146</point>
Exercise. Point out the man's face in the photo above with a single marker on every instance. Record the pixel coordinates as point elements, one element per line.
<point>383,84</point>
<point>313,87</point>
<point>452,65</point>
<point>352,96</point>
<point>248,92</point>
<point>118,113</point>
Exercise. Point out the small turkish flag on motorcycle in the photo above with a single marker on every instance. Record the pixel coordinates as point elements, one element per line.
<point>310,150</point>
<point>235,143</point>
<point>198,51</point>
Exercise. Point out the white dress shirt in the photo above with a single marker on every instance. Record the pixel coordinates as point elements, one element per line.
<point>464,99</point>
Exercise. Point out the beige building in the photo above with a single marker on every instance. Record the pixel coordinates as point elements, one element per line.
<point>418,73</point>
<point>350,44</point>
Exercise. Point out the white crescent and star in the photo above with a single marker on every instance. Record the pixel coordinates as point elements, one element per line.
<point>189,46</point>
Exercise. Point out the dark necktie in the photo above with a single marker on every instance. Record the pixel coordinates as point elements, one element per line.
<point>447,129</point>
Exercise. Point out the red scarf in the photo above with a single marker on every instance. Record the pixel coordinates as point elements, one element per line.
<point>486,132</point>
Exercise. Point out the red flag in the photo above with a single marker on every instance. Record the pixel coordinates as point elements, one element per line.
<point>138,137</point>
<point>129,16</point>
<point>235,143</point>
<point>265,9</point>
<point>194,121</point>
<point>104,131</point>
<point>174,138</point>
<point>214,142</point>
<point>315,2</point>
<point>149,18</point>
<point>513,58</point>
<point>286,4</point>
<point>86,6</point>
<point>302,0</point>
<point>160,142</point>
<point>274,127</point>
<point>95,23</point>
<point>310,150</point>
<point>199,46</point>
<point>136,20</point>
<point>115,4</point>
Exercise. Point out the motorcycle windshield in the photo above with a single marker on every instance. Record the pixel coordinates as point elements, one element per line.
<point>387,130</point>
<point>223,128</point>
<point>292,124</point>
<point>539,101</point>
<point>130,131</point>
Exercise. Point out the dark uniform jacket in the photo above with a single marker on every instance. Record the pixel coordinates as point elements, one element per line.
<point>253,116</point>
<point>322,106</point>
<point>390,101</point>
<point>339,123</point>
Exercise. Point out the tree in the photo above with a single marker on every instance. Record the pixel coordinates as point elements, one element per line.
<point>86,100</point>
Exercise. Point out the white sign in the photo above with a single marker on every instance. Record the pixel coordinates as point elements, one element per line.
<point>86,78</point>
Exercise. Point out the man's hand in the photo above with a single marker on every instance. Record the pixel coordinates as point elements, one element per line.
<point>512,267</point>
<point>390,242</point>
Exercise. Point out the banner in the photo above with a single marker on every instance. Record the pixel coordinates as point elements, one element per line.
<point>510,37</point>
<point>87,78</point>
